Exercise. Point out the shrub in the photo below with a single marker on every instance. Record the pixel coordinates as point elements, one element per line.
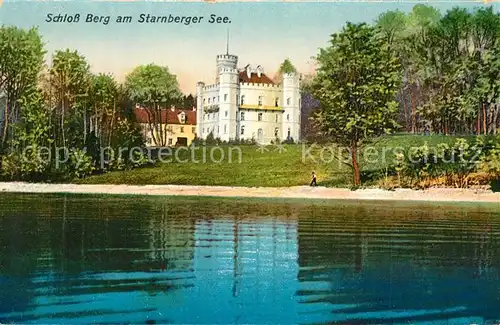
<point>419,165</point>
<point>81,163</point>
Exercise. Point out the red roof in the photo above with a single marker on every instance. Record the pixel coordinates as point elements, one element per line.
<point>255,79</point>
<point>172,116</point>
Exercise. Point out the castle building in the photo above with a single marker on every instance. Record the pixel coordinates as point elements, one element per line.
<point>245,104</point>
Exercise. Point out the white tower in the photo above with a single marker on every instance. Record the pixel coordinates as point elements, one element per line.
<point>291,106</point>
<point>199,109</point>
<point>228,92</point>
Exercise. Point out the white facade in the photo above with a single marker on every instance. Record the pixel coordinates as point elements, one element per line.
<point>246,104</point>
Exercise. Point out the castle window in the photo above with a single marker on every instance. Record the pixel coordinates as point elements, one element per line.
<point>260,100</point>
<point>225,129</point>
<point>225,97</point>
<point>242,116</point>
<point>276,132</point>
<point>242,129</point>
<point>288,101</point>
<point>288,117</point>
<point>289,133</point>
<point>209,100</point>
<point>276,101</point>
<point>259,117</point>
<point>276,118</point>
<point>182,129</point>
<point>243,100</point>
<point>225,113</point>
<point>213,100</point>
<point>170,141</point>
<point>204,101</point>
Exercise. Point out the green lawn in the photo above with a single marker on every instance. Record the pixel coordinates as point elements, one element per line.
<point>249,166</point>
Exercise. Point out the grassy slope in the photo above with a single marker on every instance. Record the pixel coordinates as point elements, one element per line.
<point>267,169</point>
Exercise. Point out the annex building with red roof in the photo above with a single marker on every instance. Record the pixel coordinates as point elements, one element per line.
<point>169,127</point>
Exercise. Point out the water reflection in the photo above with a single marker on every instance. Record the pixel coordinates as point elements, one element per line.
<point>83,259</point>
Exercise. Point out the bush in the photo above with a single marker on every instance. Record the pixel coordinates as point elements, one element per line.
<point>32,165</point>
<point>419,165</point>
<point>490,161</point>
<point>81,164</point>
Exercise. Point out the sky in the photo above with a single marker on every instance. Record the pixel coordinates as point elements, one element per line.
<point>260,33</point>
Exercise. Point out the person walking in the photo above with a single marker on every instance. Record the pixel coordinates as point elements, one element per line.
<point>313,181</point>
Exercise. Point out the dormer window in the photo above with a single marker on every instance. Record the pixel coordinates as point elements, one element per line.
<point>182,118</point>
<point>249,71</point>
<point>260,71</point>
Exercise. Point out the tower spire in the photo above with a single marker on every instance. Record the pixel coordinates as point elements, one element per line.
<point>227,42</point>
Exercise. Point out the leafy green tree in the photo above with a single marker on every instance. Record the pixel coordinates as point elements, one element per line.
<point>70,81</point>
<point>30,153</point>
<point>155,89</point>
<point>104,100</point>
<point>21,61</point>
<point>287,67</point>
<point>392,25</point>
<point>417,51</point>
<point>356,85</point>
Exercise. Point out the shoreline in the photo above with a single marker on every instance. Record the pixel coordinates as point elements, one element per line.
<point>296,192</point>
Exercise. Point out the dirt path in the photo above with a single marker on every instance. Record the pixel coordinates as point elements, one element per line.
<point>305,192</point>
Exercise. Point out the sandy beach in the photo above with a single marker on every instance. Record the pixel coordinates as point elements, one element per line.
<point>300,192</point>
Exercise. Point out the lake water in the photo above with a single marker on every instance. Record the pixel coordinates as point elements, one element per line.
<point>94,259</point>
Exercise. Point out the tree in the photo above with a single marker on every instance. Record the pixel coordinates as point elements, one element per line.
<point>104,101</point>
<point>417,51</point>
<point>392,25</point>
<point>155,89</point>
<point>21,61</point>
<point>69,83</point>
<point>188,102</point>
<point>287,67</point>
<point>356,85</point>
<point>29,156</point>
